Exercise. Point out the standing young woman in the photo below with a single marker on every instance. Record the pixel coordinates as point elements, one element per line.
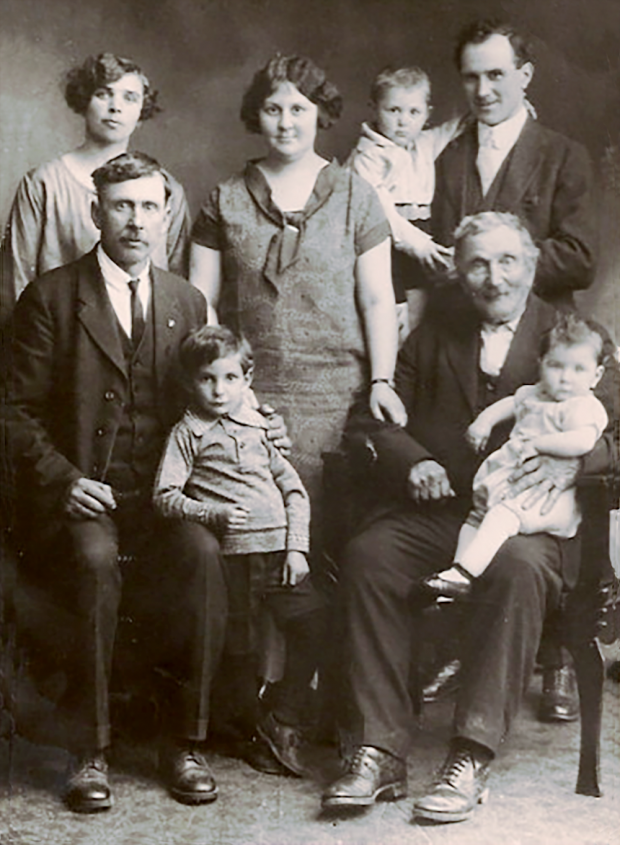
<point>295,253</point>
<point>50,223</point>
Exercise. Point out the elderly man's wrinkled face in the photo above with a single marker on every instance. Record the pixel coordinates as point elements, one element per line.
<point>497,272</point>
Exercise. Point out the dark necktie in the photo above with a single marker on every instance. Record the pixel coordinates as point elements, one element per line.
<point>137,314</point>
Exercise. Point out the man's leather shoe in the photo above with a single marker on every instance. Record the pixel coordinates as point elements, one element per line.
<point>446,681</point>
<point>284,742</point>
<point>371,774</point>
<point>459,788</point>
<point>88,790</point>
<point>188,776</point>
<point>559,701</point>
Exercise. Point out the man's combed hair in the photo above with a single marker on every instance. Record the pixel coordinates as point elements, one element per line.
<point>98,71</point>
<point>404,77</point>
<point>301,72</point>
<point>573,330</point>
<point>486,221</point>
<point>128,166</point>
<point>480,30</point>
<point>207,344</point>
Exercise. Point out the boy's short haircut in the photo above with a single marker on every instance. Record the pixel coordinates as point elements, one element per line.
<point>126,166</point>
<point>97,72</point>
<point>207,344</point>
<point>404,77</point>
<point>572,330</point>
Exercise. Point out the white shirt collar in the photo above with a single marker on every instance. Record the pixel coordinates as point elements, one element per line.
<point>113,275</point>
<point>510,326</point>
<point>504,135</point>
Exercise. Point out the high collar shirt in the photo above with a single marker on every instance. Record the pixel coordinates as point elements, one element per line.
<point>117,285</point>
<point>495,343</point>
<point>210,465</point>
<point>494,144</point>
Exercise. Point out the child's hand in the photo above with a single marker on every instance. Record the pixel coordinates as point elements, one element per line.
<point>236,516</point>
<point>295,568</point>
<point>436,257</point>
<point>478,433</point>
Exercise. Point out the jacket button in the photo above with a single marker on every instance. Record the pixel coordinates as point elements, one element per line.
<point>100,432</point>
<point>109,395</point>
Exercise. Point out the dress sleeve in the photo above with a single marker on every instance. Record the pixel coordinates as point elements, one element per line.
<point>584,411</point>
<point>177,239</point>
<point>23,235</point>
<point>208,228</point>
<point>371,225</point>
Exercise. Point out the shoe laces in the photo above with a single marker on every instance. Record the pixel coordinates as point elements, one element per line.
<point>194,757</point>
<point>456,765</point>
<point>562,681</point>
<point>361,760</point>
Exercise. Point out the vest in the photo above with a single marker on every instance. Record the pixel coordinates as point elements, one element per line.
<point>139,438</point>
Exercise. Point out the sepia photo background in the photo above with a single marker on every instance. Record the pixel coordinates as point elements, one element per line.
<point>201,54</point>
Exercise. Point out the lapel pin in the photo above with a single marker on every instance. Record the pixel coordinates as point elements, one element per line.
<point>171,323</point>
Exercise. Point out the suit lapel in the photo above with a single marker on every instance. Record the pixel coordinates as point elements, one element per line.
<point>462,345</point>
<point>96,313</point>
<point>165,320</point>
<point>517,171</point>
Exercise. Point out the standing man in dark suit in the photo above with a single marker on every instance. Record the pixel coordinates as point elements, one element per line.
<point>92,397</point>
<point>477,343</point>
<point>507,161</point>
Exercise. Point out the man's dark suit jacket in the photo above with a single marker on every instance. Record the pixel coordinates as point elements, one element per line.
<point>69,378</point>
<point>546,181</point>
<point>437,377</point>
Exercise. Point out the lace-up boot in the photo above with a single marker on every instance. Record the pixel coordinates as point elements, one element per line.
<point>460,785</point>
<point>371,774</point>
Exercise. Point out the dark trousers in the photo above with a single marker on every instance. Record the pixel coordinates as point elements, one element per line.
<point>503,624</point>
<point>170,587</point>
<point>254,584</point>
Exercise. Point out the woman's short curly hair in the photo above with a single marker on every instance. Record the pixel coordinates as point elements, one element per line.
<point>301,72</point>
<point>96,72</point>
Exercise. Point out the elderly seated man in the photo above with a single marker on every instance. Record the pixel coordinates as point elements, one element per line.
<point>478,343</point>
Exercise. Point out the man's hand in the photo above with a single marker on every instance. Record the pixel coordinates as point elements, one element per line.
<point>385,404</point>
<point>88,499</point>
<point>428,482</point>
<point>546,477</point>
<point>295,568</point>
<point>277,432</point>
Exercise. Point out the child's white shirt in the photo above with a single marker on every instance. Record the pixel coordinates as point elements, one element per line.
<point>403,178</point>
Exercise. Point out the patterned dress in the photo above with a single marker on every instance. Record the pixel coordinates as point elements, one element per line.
<point>289,285</point>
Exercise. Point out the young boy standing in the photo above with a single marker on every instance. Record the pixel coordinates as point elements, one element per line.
<point>219,469</point>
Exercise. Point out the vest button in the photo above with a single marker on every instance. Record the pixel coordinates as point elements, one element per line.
<point>100,432</point>
<point>109,395</point>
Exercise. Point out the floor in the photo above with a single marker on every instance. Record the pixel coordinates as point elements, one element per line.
<point>531,802</point>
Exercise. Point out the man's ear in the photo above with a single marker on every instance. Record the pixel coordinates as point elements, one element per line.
<point>95,213</point>
<point>527,72</point>
<point>248,377</point>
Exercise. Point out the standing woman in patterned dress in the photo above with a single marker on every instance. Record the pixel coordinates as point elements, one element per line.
<point>50,223</point>
<point>294,252</point>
